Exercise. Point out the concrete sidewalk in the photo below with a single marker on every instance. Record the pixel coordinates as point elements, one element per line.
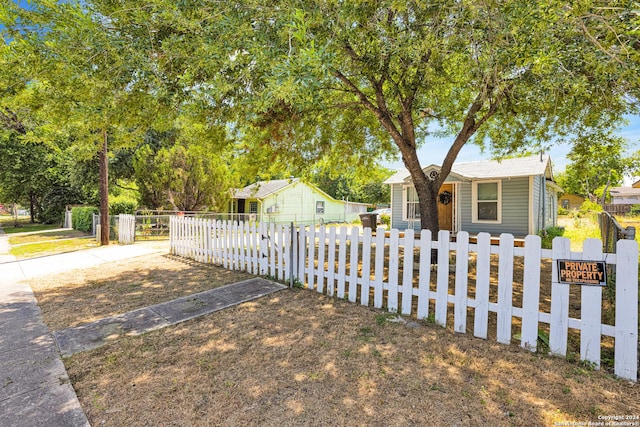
<point>34,386</point>
<point>96,334</point>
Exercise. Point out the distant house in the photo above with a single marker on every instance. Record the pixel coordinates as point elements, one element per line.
<point>570,201</point>
<point>625,195</point>
<point>291,200</point>
<point>517,196</point>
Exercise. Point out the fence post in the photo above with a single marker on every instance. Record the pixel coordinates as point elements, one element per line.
<point>630,233</point>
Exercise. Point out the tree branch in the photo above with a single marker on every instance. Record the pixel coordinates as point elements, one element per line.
<point>10,121</point>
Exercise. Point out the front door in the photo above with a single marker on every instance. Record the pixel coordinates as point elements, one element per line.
<point>445,207</point>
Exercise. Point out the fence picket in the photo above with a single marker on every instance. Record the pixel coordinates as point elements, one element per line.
<point>280,251</point>
<point>352,291</point>
<point>392,288</point>
<point>342,261</point>
<point>255,248</point>
<point>424,279</point>
<point>626,339</point>
<point>531,292</point>
<point>322,238</point>
<point>366,266</point>
<point>302,247</point>
<point>311,268</point>
<point>378,284</point>
<point>591,309</point>
<point>505,288</point>
<point>331,274</point>
<point>442,289</point>
<point>461,279</point>
<point>272,250</point>
<point>483,274</point>
<point>407,272</point>
<point>264,249</point>
<point>559,326</point>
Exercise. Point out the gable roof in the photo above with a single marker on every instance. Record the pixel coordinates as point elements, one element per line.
<point>262,189</point>
<point>487,169</point>
<point>624,191</point>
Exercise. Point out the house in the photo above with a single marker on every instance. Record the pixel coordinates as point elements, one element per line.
<point>291,200</point>
<point>571,201</point>
<point>516,196</point>
<point>625,195</point>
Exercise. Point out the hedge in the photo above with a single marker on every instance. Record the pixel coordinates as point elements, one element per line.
<point>82,218</point>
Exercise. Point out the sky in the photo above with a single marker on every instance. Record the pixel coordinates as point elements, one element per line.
<point>434,151</point>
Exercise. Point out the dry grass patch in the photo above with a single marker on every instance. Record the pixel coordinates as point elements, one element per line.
<point>300,358</point>
<point>81,296</point>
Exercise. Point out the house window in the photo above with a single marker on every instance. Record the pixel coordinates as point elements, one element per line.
<point>487,206</point>
<point>565,203</point>
<point>320,207</point>
<point>253,207</point>
<point>411,205</point>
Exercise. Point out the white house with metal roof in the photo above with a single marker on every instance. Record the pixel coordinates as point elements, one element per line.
<point>516,196</point>
<point>291,200</point>
<point>625,195</point>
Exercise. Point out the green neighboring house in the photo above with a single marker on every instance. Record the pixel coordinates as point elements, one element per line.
<point>291,200</point>
<point>516,196</point>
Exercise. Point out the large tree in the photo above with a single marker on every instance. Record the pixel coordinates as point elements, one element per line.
<point>299,82</point>
<point>85,78</point>
<point>354,76</point>
<point>598,162</point>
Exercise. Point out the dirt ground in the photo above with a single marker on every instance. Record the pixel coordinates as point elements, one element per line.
<point>301,358</point>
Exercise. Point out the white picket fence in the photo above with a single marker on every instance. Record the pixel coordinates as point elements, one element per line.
<point>126,229</point>
<point>385,266</point>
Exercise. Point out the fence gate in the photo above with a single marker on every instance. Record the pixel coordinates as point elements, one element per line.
<point>126,229</point>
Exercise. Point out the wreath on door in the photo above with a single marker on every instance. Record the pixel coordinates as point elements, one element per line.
<point>445,197</point>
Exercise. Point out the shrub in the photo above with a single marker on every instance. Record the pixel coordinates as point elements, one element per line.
<point>82,218</point>
<point>385,219</point>
<point>635,210</point>
<point>562,211</point>
<point>548,234</point>
<point>589,206</point>
<point>121,205</point>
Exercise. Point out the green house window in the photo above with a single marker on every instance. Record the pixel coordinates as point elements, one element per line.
<point>487,201</point>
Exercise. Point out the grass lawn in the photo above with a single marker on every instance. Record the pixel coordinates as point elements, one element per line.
<point>579,229</point>
<point>301,358</point>
<point>33,240</point>
<point>30,250</point>
<point>10,226</point>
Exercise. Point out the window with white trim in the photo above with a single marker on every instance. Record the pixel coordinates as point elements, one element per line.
<point>253,207</point>
<point>487,201</point>
<point>411,209</point>
<point>320,207</point>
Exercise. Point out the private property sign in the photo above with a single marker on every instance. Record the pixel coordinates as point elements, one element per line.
<point>582,272</point>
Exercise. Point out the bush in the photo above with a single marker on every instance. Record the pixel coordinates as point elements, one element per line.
<point>121,205</point>
<point>562,211</point>
<point>548,234</point>
<point>385,219</point>
<point>635,210</point>
<point>589,206</point>
<point>82,218</point>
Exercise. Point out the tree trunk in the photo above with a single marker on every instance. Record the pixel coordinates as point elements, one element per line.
<point>104,191</point>
<point>606,188</point>
<point>32,207</point>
